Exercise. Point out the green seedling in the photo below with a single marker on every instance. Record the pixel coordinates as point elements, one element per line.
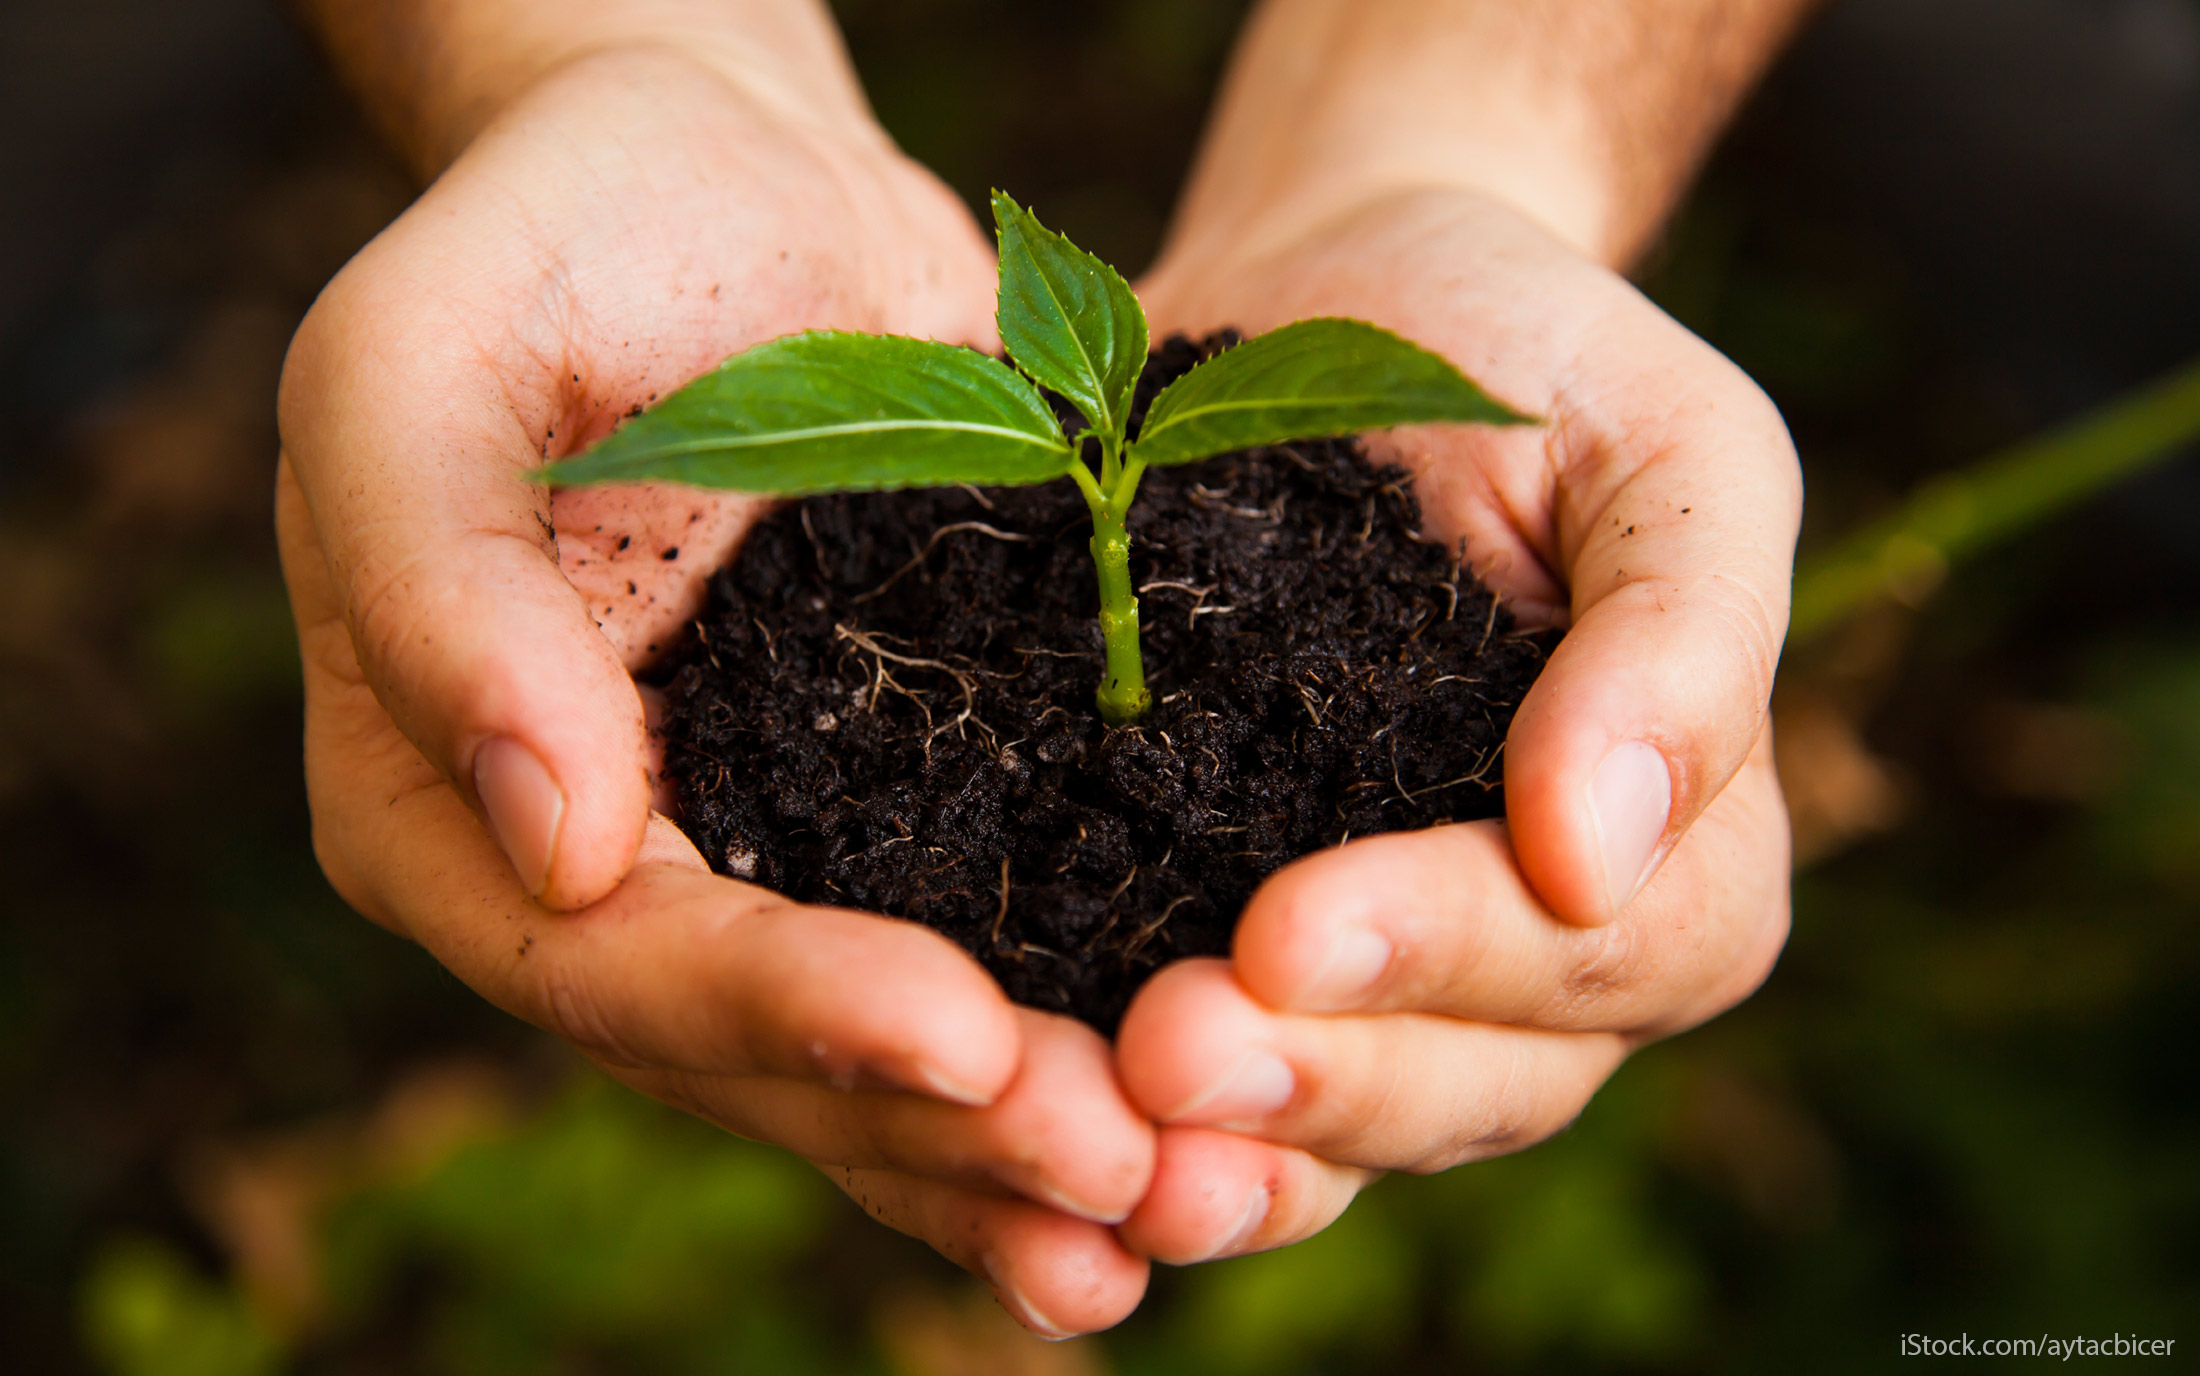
<point>837,412</point>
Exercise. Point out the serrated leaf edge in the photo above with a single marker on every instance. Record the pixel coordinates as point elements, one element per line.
<point>1506,415</point>
<point>560,473</point>
<point>1116,416</point>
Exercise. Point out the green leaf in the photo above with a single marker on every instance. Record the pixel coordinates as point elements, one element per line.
<point>1068,319</point>
<point>1304,381</point>
<point>832,412</point>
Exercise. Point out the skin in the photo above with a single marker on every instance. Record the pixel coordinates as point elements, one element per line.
<point>631,214</point>
<point>1501,971</point>
<point>625,194</point>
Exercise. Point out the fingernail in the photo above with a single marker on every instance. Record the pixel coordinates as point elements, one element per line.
<point>896,1074</point>
<point>1357,958</point>
<point>1248,1223</point>
<point>1076,1208</point>
<point>1256,1086</point>
<point>524,807</point>
<point>1022,1309</point>
<point>932,1080</point>
<point>1630,796</point>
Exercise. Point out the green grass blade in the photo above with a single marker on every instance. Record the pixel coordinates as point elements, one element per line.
<point>1906,553</point>
<point>1068,319</point>
<point>833,412</point>
<point>1314,378</point>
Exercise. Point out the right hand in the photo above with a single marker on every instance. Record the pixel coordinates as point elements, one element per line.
<point>476,755</point>
<point>1418,1000</point>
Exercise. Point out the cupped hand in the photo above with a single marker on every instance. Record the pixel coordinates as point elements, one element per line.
<point>1414,1001</point>
<point>476,753</point>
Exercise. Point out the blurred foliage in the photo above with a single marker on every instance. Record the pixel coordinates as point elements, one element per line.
<point>250,1133</point>
<point>1906,554</point>
<point>148,1313</point>
<point>604,1224</point>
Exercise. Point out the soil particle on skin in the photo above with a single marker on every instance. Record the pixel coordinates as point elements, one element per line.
<point>888,705</point>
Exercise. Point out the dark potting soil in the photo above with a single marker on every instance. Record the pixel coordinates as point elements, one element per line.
<point>888,705</point>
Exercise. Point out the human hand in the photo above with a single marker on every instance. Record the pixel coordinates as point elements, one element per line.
<point>475,747</point>
<point>1414,1001</point>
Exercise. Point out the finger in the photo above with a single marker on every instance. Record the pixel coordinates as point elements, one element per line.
<point>1061,1134</point>
<point>1219,1194</point>
<point>680,969</point>
<point>676,968</point>
<point>1660,497</point>
<point>410,446</point>
<point>1397,1091</point>
<point>1059,1276</point>
<point>1443,922</point>
<point>1678,501</point>
<point>664,795</point>
<point>683,969</point>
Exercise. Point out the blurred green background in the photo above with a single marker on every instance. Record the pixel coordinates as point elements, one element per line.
<point>247,1132</point>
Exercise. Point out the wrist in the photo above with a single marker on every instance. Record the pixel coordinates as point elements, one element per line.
<point>1328,106</point>
<point>1319,173</point>
<point>435,73</point>
<point>1586,116</point>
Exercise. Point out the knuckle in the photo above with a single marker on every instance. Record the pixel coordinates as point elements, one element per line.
<point>1758,410</point>
<point>355,315</point>
<point>326,651</point>
<point>1748,628</point>
<point>717,1102</point>
<point>1475,1140</point>
<point>1505,1136</point>
<point>577,1012</point>
<point>888,1141</point>
<point>1007,1151</point>
<point>1610,963</point>
<point>390,606</point>
<point>402,613</point>
<point>1745,410</point>
<point>1364,1120</point>
<point>1504,1119</point>
<point>304,379</point>
<point>1536,1099</point>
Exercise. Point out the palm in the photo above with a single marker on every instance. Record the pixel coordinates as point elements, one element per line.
<point>626,225</point>
<point>1512,966</point>
<point>656,233</point>
<point>1473,281</point>
<point>698,241</point>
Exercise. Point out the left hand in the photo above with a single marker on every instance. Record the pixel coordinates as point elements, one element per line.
<point>1414,1001</point>
<point>475,750</point>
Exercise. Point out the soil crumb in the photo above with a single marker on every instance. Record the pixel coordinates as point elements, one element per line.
<point>888,705</point>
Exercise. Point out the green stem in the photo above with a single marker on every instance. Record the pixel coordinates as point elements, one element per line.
<point>1122,698</point>
<point>1906,554</point>
<point>1126,486</point>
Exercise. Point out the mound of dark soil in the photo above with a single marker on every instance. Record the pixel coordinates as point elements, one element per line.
<point>888,705</point>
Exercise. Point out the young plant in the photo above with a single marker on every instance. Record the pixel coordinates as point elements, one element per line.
<point>829,411</point>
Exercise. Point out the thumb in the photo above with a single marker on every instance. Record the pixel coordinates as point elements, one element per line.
<point>1678,507</point>
<point>411,447</point>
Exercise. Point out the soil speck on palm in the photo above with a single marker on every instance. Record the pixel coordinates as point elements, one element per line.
<point>888,705</point>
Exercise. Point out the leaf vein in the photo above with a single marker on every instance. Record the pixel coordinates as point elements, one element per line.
<point>702,444</point>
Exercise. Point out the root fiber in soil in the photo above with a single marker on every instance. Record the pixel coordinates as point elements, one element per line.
<point>888,705</point>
